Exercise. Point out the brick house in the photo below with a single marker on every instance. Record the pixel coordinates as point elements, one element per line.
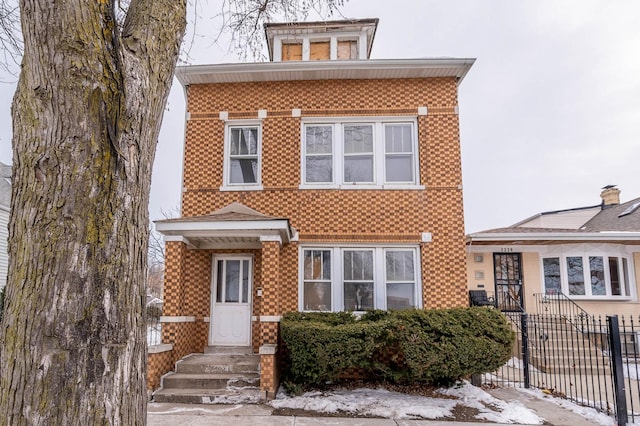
<point>321,180</point>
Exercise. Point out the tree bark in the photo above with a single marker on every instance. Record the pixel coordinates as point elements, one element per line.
<point>86,117</point>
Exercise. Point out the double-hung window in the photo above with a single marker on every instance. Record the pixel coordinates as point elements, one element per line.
<point>242,156</point>
<point>587,275</point>
<point>359,278</point>
<point>360,154</point>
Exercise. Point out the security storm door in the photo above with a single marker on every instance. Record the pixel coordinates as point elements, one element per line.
<point>231,301</point>
<point>508,275</point>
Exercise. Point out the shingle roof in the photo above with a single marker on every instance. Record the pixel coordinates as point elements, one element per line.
<point>609,219</point>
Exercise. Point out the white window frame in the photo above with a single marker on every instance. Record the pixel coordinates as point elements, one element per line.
<point>306,39</point>
<point>226,173</point>
<point>379,153</point>
<point>585,255</point>
<point>379,273</point>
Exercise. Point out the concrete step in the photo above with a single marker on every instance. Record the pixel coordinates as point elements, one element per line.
<point>209,381</point>
<point>233,350</point>
<point>208,396</point>
<point>218,363</point>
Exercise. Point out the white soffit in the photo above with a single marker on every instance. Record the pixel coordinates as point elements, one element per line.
<point>557,236</point>
<point>324,70</point>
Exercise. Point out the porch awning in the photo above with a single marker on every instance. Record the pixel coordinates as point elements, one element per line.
<point>234,226</point>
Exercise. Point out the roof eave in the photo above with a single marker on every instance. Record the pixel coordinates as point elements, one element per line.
<point>314,70</point>
<point>550,236</point>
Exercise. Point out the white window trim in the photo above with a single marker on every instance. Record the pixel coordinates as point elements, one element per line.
<point>585,255</point>
<point>306,39</point>
<point>379,152</point>
<point>226,172</point>
<point>379,273</point>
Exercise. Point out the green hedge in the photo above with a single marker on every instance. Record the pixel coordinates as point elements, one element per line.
<point>434,347</point>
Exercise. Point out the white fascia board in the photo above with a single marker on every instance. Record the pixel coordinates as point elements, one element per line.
<point>177,228</point>
<point>314,70</point>
<point>557,236</point>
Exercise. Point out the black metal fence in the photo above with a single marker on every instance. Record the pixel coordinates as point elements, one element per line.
<point>592,361</point>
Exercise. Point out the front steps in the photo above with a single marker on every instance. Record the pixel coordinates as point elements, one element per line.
<point>558,347</point>
<point>222,375</point>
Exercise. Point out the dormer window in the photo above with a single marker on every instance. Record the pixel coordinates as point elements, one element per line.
<point>292,51</point>
<point>347,49</point>
<point>321,41</point>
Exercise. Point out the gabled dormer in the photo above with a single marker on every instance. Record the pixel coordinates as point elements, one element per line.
<point>320,41</point>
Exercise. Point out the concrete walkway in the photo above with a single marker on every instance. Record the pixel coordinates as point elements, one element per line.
<point>166,414</point>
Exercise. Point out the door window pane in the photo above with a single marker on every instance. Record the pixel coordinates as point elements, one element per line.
<point>551,267</point>
<point>575,275</point>
<point>232,281</point>
<point>219,281</point>
<point>245,281</point>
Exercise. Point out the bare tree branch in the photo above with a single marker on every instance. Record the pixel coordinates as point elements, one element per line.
<point>244,20</point>
<point>10,36</point>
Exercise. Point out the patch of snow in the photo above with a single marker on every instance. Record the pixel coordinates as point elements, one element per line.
<point>493,409</point>
<point>395,405</point>
<point>369,402</point>
<point>587,412</point>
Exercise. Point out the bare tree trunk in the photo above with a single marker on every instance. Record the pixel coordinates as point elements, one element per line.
<point>86,117</point>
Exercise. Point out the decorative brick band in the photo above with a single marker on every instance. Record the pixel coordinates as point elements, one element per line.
<point>163,347</point>
<point>177,319</point>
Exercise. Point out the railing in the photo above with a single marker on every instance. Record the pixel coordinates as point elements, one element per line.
<point>561,305</point>
<point>558,304</point>
<point>598,367</point>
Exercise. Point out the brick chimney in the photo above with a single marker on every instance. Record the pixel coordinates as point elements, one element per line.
<point>610,196</point>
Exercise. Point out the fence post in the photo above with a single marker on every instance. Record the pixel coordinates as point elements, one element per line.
<point>618,376</point>
<point>525,349</point>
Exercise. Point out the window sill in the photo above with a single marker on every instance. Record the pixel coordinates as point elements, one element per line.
<point>601,298</point>
<point>242,188</point>
<point>355,186</point>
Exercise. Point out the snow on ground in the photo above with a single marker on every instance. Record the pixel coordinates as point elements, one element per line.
<point>590,413</point>
<point>395,405</point>
<point>493,409</point>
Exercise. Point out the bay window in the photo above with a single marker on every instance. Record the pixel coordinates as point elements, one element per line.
<point>586,276</point>
<point>359,278</point>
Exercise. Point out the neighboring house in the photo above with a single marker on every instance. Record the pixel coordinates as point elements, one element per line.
<point>589,254</point>
<point>5,205</point>
<point>319,181</point>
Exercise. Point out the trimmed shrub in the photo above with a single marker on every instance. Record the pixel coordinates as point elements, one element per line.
<point>434,347</point>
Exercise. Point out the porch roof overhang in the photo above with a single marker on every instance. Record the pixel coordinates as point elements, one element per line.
<point>234,227</point>
<point>552,238</point>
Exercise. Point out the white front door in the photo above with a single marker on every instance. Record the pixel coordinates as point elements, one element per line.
<point>231,301</point>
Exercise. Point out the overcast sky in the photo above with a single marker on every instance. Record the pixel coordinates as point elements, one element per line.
<point>549,113</point>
